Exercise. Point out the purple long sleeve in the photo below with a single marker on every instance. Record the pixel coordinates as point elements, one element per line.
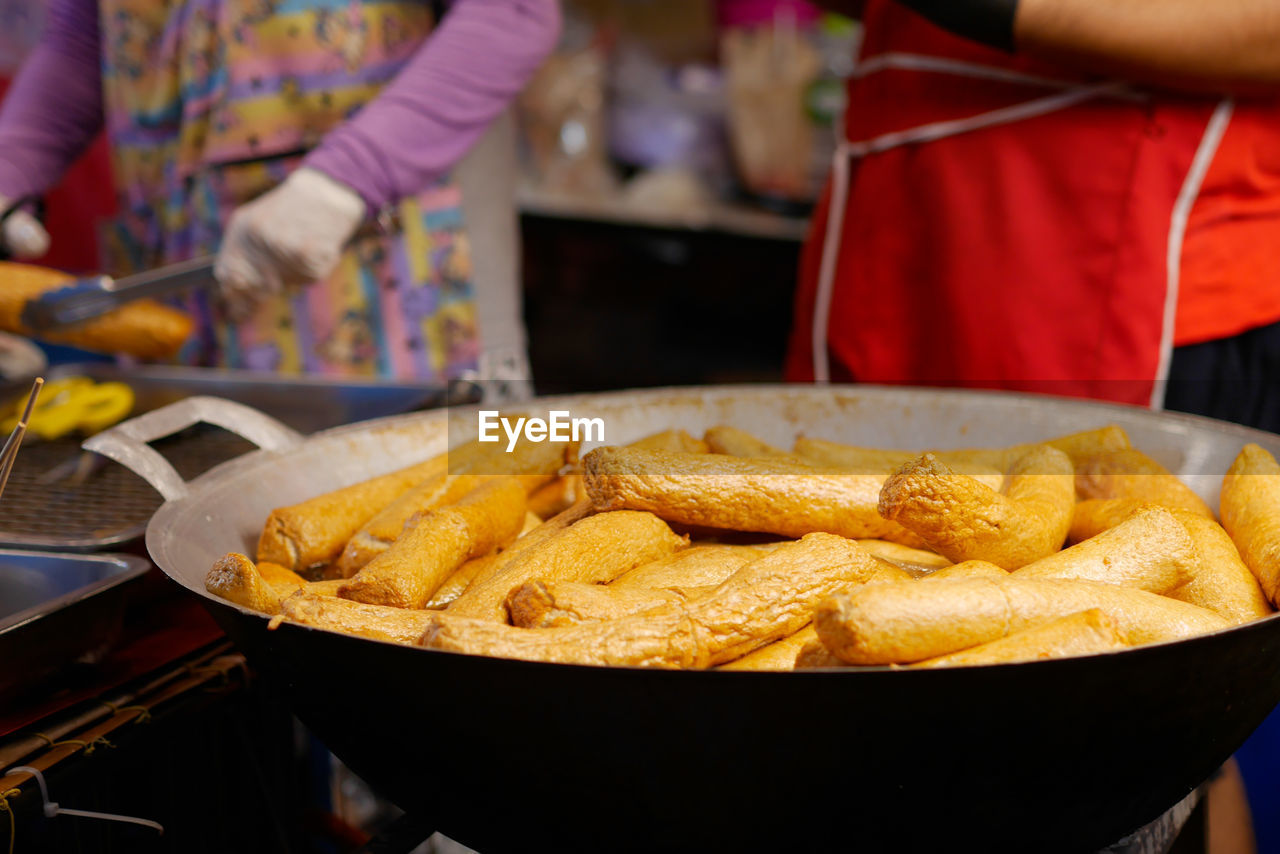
<point>461,78</point>
<point>54,107</point>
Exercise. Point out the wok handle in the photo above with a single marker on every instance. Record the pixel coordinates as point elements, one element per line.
<point>126,443</point>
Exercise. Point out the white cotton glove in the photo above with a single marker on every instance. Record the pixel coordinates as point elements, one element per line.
<point>287,237</point>
<point>22,235</point>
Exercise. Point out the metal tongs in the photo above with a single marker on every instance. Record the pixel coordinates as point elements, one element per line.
<point>85,299</point>
<point>9,453</point>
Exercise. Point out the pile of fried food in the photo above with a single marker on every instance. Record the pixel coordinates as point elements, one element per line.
<point>726,552</point>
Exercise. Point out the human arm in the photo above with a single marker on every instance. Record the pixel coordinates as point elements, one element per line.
<point>1196,45</point>
<point>415,130</point>
<point>1192,45</point>
<point>50,114</point>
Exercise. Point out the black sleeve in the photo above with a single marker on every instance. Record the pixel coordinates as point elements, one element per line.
<point>987,21</point>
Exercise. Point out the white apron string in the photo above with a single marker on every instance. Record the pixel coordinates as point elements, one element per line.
<point>1069,94</point>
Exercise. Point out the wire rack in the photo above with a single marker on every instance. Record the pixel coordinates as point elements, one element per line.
<point>112,505</point>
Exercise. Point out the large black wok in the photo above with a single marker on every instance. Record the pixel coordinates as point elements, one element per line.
<point>508,755</point>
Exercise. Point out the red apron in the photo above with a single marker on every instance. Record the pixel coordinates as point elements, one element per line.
<point>999,223</point>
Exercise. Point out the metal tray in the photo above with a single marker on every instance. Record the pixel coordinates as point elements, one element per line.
<point>112,505</point>
<point>59,609</point>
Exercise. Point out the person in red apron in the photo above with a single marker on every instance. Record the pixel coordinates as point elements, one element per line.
<point>1001,220</point>
<point>1059,196</point>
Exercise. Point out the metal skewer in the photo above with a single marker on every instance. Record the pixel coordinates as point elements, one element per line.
<point>9,453</point>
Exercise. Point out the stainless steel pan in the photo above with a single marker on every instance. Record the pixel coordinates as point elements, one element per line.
<point>1059,755</point>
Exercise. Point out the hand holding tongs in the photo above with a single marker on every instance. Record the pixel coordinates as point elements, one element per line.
<point>84,299</point>
<point>9,453</point>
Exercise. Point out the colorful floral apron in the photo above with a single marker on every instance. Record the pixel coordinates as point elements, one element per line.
<point>210,103</point>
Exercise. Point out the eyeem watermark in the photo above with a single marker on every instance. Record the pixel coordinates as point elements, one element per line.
<point>560,426</point>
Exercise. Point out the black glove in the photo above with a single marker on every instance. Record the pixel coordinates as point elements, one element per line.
<point>987,21</point>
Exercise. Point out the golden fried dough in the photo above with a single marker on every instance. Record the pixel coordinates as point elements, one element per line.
<point>815,656</point>
<point>557,496</point>
<point>1250,506</point>
<point>773,596</point>
<point>903,623</point>
<point>235,578</point>
<point>534,463</point>
<point>328,587</point>
<point>1150,550</point>
<point>779,655</point>
<point>664,639</point>
<point>962,519</point>
<point>413,568</point>
<point>538,605</point>
<point>1095,515</point>
<point>1223,583</point>
<point>1129,473</point>
<point>493,564</point>
<point>1084,633</point>
<point>143,328</point>
<point>377,535</point>
<point>740,494</point>
<point>282,578</point>
<point>905,556</point>
<point>766,600</point>
<point>676,441</point>
<point>967,569</point>
<point>399,625</point>
<point>457,583</point>
<point>314,532</point>
<point>596,549</point>
<point>739,443</point>
<point>692,567</point>
<point>1075,445</point>
<point>890,572</point>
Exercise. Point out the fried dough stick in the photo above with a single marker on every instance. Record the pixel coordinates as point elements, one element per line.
<point>1250,506</point>
<point>559,495</point>
<point>696,566</point>
<point>1129,473</point>
<point>535,463</point>
<point>766,600</point>
<point>781,654</point>
<point>1077,446</point>
<point>1084,633</point>
<point>815,656</point>
<point>967,569</point>
<point>1094,515</point>
<point>377,535</point>
<point>538,605</point>
<point>237,579</point>
<point>905,556</point>
<point>399,625</point>
<point>1151,550</point>
<point>596,549</point>
<point>716,491</point>
<point>461,579</point>
<point>739,443</point>
<point>675,441</point>
<point>904,623</point>
<point>407,574</point>
<point>963,519</point>
<point>304,535</point>
<point>1221,582</point>
<point>491,565</point>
